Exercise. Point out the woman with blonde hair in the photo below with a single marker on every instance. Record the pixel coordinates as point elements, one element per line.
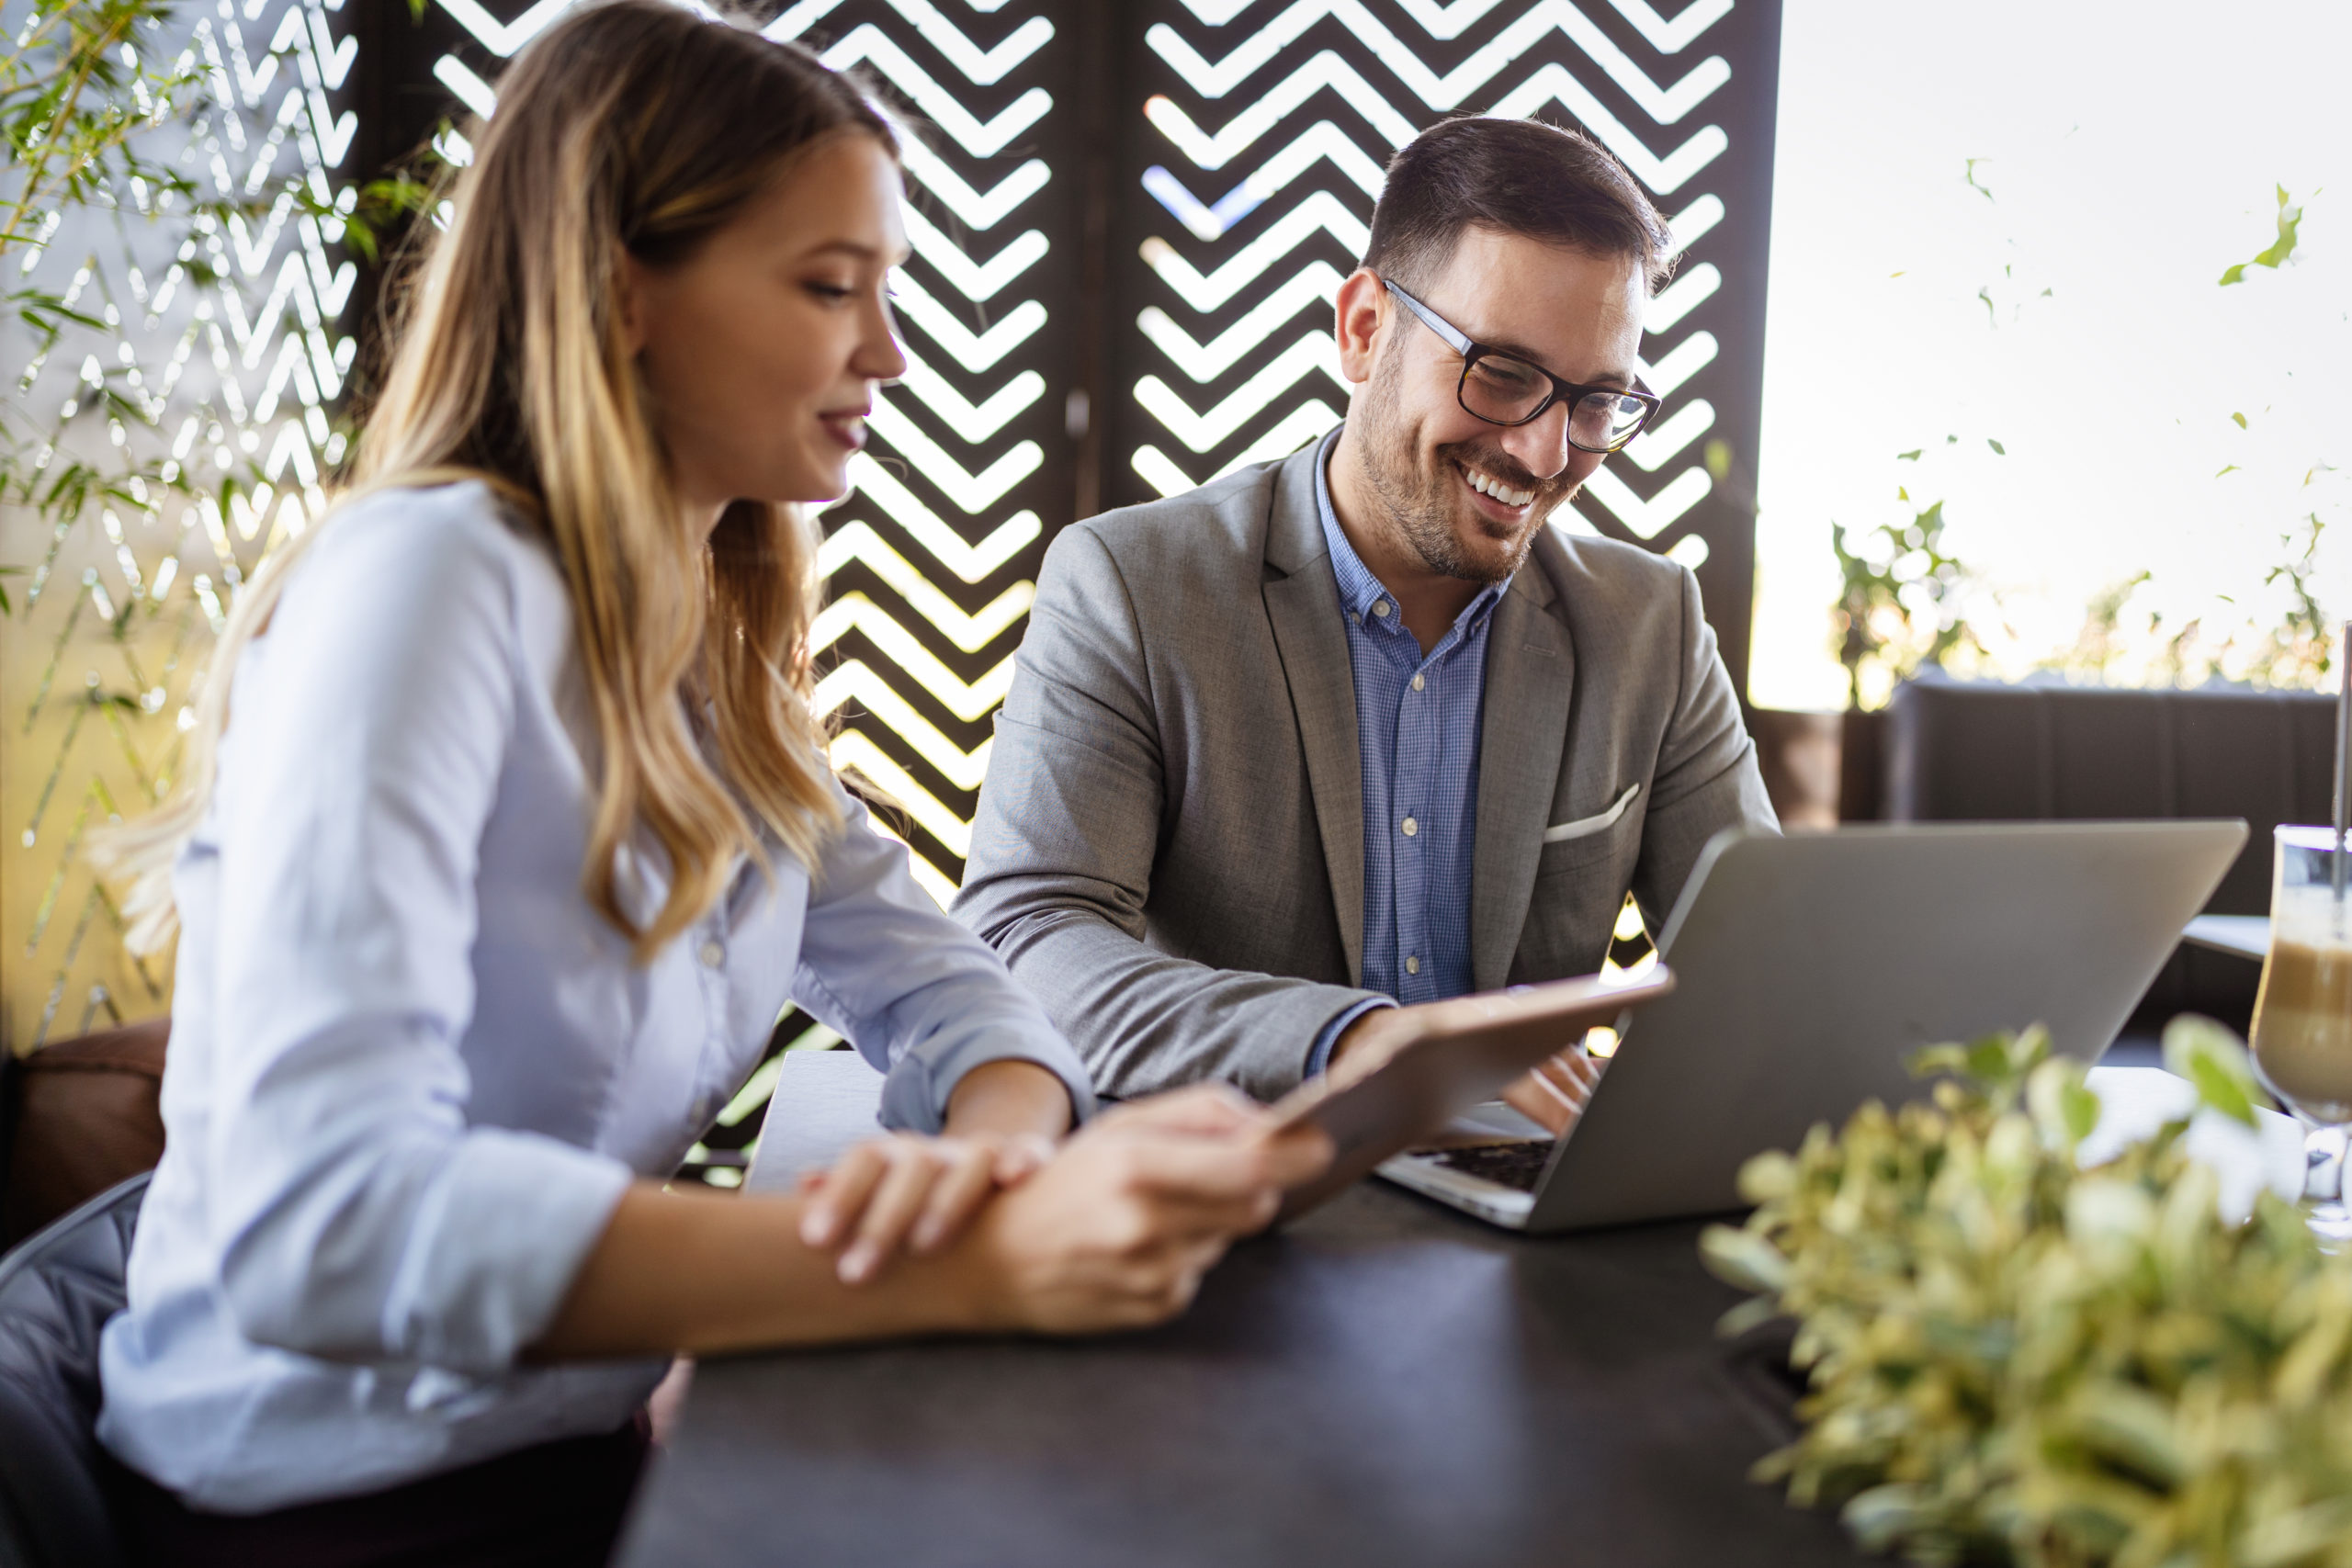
<point>507,831</point>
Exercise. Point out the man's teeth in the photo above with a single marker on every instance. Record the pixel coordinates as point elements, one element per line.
<point>1496,488</point>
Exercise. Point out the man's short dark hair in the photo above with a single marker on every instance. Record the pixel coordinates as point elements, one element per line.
<point>1521,176</point>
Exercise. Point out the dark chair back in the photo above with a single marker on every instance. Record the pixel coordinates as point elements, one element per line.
<point>1978,751</point>
<point>57,1290</point>
<point>77,1118</point>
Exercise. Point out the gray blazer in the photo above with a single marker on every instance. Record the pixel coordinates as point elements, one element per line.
<point>1169,846</point>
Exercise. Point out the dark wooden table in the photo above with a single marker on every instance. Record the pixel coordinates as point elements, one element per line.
<point>1387,1382</point>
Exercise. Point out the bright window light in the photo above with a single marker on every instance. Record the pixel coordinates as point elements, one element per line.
<point>2008,224</point>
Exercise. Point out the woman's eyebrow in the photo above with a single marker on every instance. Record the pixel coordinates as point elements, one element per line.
<point>857,249</point>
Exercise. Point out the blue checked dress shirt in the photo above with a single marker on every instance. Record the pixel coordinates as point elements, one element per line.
<point>1417,736</point>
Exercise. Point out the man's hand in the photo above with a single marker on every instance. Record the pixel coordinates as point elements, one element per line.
<point>1556,1092</point>
<point>1365,1044</point>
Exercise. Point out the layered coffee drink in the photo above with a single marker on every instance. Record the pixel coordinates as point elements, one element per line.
<point>2302,1020</point>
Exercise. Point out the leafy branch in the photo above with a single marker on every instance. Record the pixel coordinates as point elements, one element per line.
<point>1898,608</point>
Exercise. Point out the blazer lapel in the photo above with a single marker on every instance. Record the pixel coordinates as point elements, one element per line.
<point>1531,680</point>
<point>1304,606</point>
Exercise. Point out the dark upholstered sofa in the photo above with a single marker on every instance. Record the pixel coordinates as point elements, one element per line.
<point>1955,750</point>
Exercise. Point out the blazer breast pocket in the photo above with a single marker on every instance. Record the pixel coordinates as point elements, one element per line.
<point>1594,826</point>
<point>1587,841</point>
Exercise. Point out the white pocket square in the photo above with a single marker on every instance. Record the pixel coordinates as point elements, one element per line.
<point>1584,827</point>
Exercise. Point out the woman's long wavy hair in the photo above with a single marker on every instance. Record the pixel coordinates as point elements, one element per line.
<point>632,129</point>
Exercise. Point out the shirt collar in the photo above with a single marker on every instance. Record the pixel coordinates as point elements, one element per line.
<point>1359,588</point>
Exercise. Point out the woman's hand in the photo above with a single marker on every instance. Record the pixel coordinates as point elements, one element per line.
<point>1117,1231</point>
<point>1114,1232</point>
<point>909,1191</point>
<point>919,1193</point>
<point>1556,1092</point>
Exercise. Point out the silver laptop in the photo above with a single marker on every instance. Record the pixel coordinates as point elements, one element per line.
<point>1811,967</point>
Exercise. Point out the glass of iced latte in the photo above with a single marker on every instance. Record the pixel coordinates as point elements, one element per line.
<point>2302,1015</point>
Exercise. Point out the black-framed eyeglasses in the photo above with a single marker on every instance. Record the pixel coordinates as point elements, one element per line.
<point>1503,388</point>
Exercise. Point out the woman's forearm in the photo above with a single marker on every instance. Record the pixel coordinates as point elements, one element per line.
<point>1114,1232</point>
<point>703,1272</point>
<point>1009,1097</point>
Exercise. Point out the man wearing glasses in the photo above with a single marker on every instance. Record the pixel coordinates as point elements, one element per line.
<point>1356,727</point>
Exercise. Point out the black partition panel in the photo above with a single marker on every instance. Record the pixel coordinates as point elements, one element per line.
<point>1250,143</point>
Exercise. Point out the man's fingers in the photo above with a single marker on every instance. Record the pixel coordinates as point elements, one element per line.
<point>955,1196</point>
<point>843,1192</point>
<point>1218,1170</point>
<point>914,1169</point>
<point>1542,1100</point>
<point>1567,1075</point>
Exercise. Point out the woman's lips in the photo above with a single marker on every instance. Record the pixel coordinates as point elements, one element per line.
<point>848,429</point>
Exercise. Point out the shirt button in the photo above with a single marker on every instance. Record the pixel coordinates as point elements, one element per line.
<point>1380,607</point>
<point>1411,827</point>
<point>713,954</point>
<point>1412,966</point>
<point>1416,682</point>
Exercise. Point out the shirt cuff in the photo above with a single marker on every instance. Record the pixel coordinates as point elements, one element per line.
<point>1318,1059</point>
<point>916,1092</point>
<point>496,1247</point>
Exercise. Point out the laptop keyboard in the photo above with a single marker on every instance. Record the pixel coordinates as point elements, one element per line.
<point>1517,1166</point>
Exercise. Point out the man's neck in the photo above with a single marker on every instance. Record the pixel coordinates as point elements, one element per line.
<point>1431,602</point>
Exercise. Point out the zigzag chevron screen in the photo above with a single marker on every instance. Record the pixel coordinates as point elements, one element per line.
<point>221,356</point>
<point>1257,137</point>
<point>929,562</point>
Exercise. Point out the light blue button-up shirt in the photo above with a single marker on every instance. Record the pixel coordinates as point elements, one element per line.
<point>412,1071</point>
<point>1418,722</point>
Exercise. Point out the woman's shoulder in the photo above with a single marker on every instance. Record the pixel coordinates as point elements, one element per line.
<point>432,528</point>
<point>446,544</point>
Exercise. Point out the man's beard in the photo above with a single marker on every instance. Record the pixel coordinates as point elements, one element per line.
<point>1422,506</point>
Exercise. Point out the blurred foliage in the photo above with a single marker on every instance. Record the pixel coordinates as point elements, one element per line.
<point>2012,1360</point>
<point>79,107</point>
<point>96,110</point>
<point>1904,600</point>
<point>1898,606</point>
<point>2295,653</point>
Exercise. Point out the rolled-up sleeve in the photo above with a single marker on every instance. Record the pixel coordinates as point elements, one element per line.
<point>920,996</point>
<point>356,1212</point>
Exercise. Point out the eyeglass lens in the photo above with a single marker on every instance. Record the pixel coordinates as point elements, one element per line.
<point>1509,392</point>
